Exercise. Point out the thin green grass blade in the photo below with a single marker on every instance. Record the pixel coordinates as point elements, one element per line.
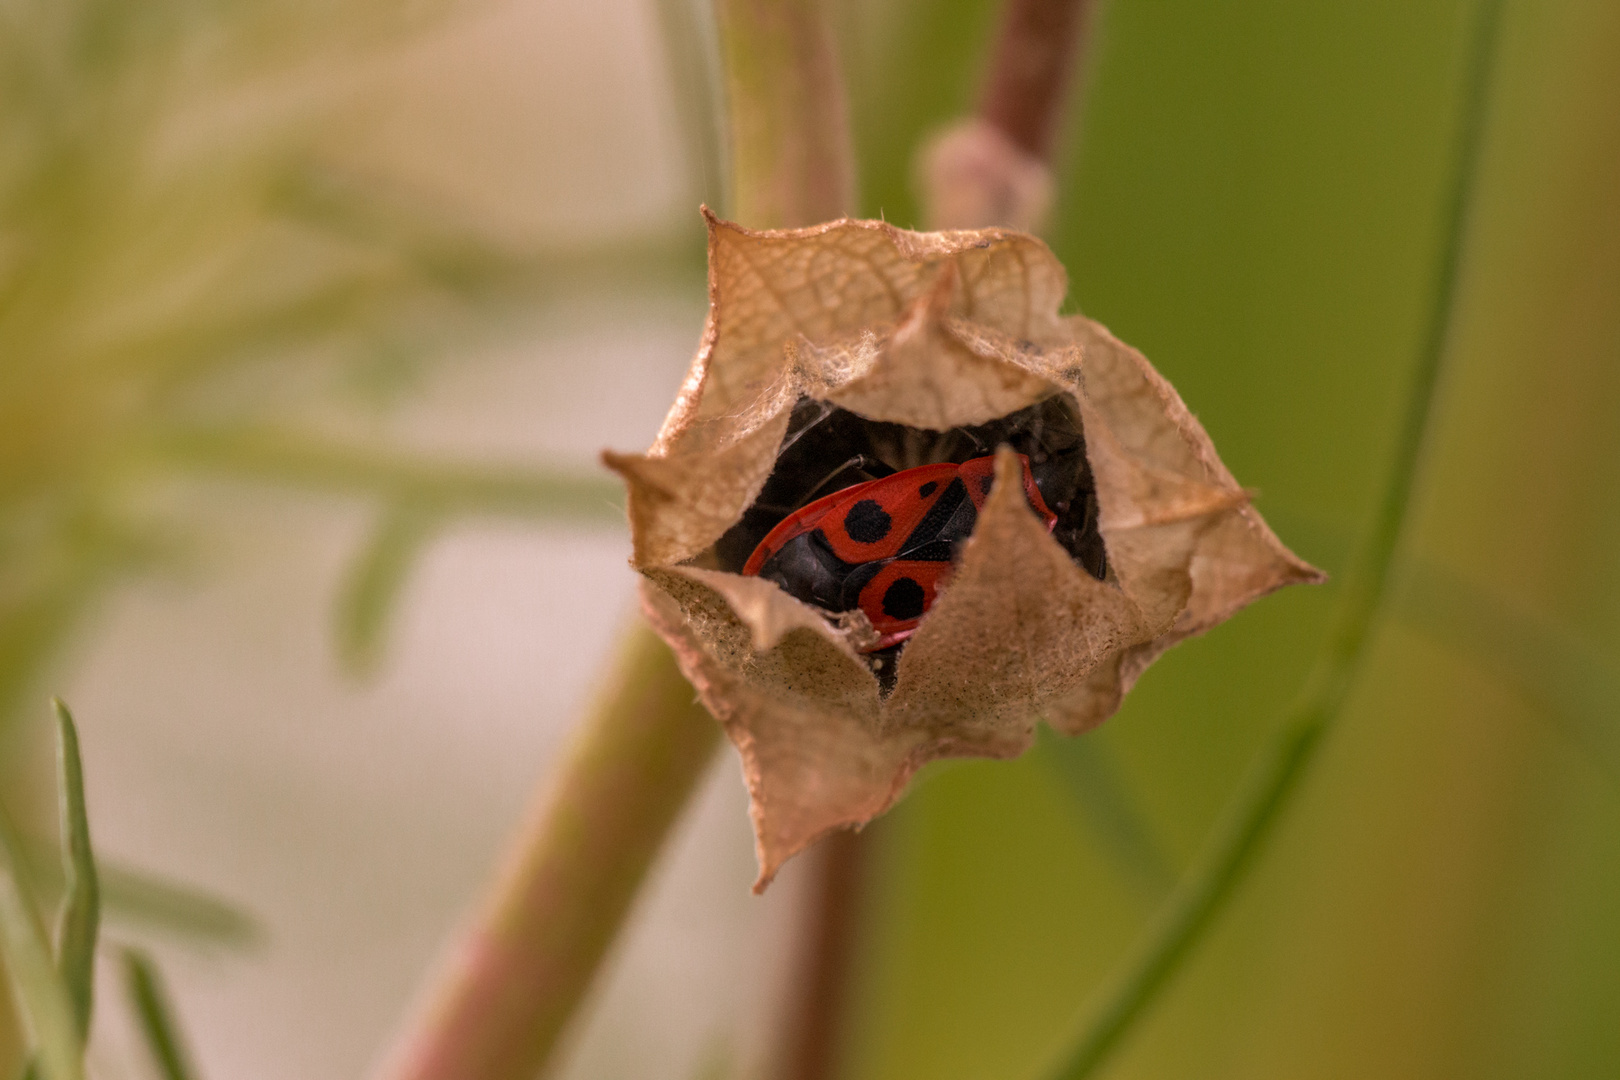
<point>44,1001</point>
<point>1275,772</point>
<point>295,459</point>
<point>375,581</point>
<point>1091,777</point>
<point>80,921</point>
<point>1562,672</point>
<point>155,1016</point>
<point>1559,671</point>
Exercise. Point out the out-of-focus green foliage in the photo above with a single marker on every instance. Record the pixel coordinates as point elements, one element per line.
<point>79,926</point>
<point>155,1016</point>
<point>42,995</point>
<point>167,238</point>
<point>56,997</point>
<point>1253,196</point>
<point>56,986</point>
<point>184,281</point>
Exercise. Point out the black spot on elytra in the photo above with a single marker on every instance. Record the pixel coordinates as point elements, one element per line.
<point>985,484</point>
<point>904,599</point>
<point>928,489</point>
<point>867,522</point>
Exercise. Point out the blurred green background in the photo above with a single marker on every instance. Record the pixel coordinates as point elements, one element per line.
<point>313,318</point>
<point>1253,197</point>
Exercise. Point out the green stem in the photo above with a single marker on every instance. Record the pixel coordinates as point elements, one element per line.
<point>1276,770</point>
<point>290,458</point>
<point>789,129</point>
<point>792,165</point>
<point>530,954</point>
<point>531,951</point>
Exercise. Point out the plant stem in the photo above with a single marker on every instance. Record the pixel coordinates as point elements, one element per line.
<point>573,870</point>
<point>789,126</point>
<point>1024,97</point>
<point>1276,770</point>
<point>1031,70</point>
<point>290,458</point>
<point>811,1037</point>
<point>792,165</point>
<point>995,168</point>
<point>529,956</point>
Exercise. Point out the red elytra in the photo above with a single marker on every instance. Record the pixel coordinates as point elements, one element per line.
<point>884,546</point>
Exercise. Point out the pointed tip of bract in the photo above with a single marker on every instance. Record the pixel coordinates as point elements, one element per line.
<point>1303,573</point>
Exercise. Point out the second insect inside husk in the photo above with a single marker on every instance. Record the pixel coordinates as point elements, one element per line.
<point>852,349</point>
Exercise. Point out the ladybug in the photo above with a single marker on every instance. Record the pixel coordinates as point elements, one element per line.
<point>884,546</point>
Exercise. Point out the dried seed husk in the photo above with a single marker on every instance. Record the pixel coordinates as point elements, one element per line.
<point>935,331</point>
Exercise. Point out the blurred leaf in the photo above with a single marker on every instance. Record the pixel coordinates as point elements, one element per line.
<point>373,583</point>
<point>1562,673</point>
<point>80,921</point>
<point>155,1016</point>
<point>44,1000</point>
<point>1091,775</point>
<point>167,231</point>
<point>50,575</point>
<point>153,903</point>
<point>288,458</point>
<point>425,241</point>
<point>33,626</point>
<point>179,909</point>
<point>1572,681</point>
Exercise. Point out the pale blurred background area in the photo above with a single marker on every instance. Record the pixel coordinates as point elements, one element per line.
<point>272,272</point>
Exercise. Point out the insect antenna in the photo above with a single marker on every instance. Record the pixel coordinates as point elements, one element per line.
<point>807,413</point>
<point>869,467</point>
<point>957,450</point>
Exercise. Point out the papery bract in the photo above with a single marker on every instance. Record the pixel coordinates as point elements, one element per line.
<point>935,331</point>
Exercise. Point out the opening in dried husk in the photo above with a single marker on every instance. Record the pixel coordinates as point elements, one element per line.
<point>827,448</point>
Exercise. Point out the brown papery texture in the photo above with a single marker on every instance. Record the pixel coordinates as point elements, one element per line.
<point>936,331</point>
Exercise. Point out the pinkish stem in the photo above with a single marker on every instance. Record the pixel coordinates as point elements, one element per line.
<point>528,957</point>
